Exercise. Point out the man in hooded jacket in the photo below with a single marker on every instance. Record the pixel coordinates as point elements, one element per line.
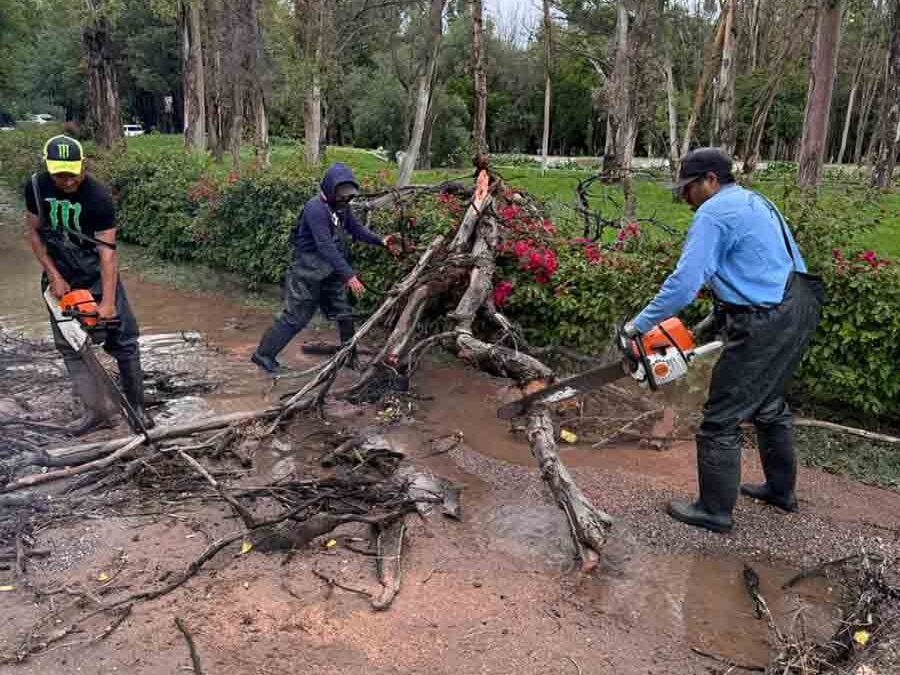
<point>320,273</point>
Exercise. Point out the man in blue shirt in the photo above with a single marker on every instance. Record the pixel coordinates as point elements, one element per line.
<point>740,247</point>
<point>320,273</point>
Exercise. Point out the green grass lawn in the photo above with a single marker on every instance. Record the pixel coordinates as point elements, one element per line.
<point>555,187</point>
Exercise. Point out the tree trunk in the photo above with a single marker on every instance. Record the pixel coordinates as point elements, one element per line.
<point>619,98</point>
<point>194,76</point>
<point>672,110</point>
<point>479,123</point>
<point>545,140</point>
<point>862,122</point>
<point>727,128</point>
<point>215,99</point>
<point>257,83</point>
<point>237,122</point>
<point>889,116</point>
<point>852,100</point>
<point>423,94</point>
<point>710,64</point>
<point>105,114</point>
<point>822,64</point>
<point>754,34</point>
<point>310,32</point>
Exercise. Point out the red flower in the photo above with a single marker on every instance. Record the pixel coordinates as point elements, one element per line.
<point>501,293</point>
<point>507,213</point>
<point>521,248</point>
<point>549,228</point>
<point>591,254</point>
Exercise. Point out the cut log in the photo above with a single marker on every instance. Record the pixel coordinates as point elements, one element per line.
<point>589,526</point>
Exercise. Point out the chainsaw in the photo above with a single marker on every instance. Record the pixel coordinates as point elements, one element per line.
<point>78,320</point>
<point>656,358</point>
<point>81,306</point>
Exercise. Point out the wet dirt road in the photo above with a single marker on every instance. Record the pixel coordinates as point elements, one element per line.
<point>492,594</point>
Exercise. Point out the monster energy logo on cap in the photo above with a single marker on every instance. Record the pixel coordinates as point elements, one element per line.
<point>63,155</point>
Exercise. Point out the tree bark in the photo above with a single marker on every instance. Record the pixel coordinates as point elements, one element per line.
<point>479,119</point>
<point>710,64</point>
<point>423,93</point>
<point>310,33</point>
<point>850,103</point>
<point>862,122</point>
<point>619,98</point>
<point>213,60</point>
<point>672,112</point>
<point>754,34</point>
<point>194,76</point>
<point>105,114</point>
<point>727,127</point>
<point>889,117</point>
<point>822,64</point>
<point>545,140</point>
<point>261,148</point>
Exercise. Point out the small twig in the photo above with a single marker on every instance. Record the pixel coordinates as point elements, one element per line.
<point>195,657</point>
<point>20,556</point>
<point>818,569</point>
<point>575,663</point>
<point>239,508</point>
<point>728,662</point>
<point>627,427</point>
<point>331,581</point>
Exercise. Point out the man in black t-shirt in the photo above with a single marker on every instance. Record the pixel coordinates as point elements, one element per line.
<point>71,227</point>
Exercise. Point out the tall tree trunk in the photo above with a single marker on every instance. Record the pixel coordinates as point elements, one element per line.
<point>425,154</point>
<point>727,127</point>
<point>423,93</point>
<point>862,121</point>
<point>479,119</point>
<point>310,16</point>
<point>889,116</point>
<point>257,84</point>
<point>822,64</point>
<point>711,59</point>
<point>754,34</point>
<point>854,87</point>
<point>194,76</point>
<point>215,99</point>
<point>672,112</point>
<point>545,140</point>
<point>619,98</point>
<point>105,114</point>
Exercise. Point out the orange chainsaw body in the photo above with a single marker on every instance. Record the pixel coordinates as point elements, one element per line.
<point>80,304</point>
<point>667,349</point>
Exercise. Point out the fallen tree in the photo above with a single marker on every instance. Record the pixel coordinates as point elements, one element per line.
<point>452,277</point>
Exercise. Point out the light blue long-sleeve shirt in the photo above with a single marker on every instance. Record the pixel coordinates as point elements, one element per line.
<point>735,246</point>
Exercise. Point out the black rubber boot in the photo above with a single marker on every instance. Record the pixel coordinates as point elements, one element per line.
<point>776,452</point>
<point>719,474</point>
<point>273,341</point>
<point>99,412</point>
<point>132,376</point>
<point>346,331</point>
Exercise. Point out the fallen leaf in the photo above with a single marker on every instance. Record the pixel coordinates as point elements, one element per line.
<point>331,543</point>
<point>861,637</point>
<point>6,589</point>
<point>568,436</point>
<point>246,546</point>
<point>103,576</point>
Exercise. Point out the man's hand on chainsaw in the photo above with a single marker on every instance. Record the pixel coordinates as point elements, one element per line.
<point>106,310</point>
<point>393,244</point>
<point>59,286</point>
<point>630,331</point>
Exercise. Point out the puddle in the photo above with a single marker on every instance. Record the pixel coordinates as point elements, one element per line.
<point>702,600</point>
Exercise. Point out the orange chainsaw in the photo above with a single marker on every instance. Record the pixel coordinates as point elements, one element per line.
<point>79,322</point>
<point>655,358</point>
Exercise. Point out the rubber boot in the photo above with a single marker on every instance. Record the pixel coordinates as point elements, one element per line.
<point>776,452</point>
<point>719,474</point>
<point>99,412</point>
<point>346,331</point>
<point>273,341</point>
<point>132,376</point>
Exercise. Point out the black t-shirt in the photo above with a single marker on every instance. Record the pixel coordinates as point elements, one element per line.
<point>87,211</point>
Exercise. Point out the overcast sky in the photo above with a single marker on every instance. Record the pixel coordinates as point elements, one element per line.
<point>514,15</point>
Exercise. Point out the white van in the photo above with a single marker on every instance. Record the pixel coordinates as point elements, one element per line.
<point>133,130</point>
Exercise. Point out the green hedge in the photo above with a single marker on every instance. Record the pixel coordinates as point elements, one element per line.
<point>559,289</point>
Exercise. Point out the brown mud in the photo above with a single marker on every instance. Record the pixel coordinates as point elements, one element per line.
<point>492,593</point>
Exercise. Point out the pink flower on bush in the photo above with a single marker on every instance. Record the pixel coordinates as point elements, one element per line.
<point>592,255</point>
<point>549,228</point>
<point>502,292</point>
<point>509,212</point>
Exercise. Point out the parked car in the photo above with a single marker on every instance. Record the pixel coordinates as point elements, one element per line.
<point>40,118</point>
<point>133,130</point>
<point>6,122</point>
